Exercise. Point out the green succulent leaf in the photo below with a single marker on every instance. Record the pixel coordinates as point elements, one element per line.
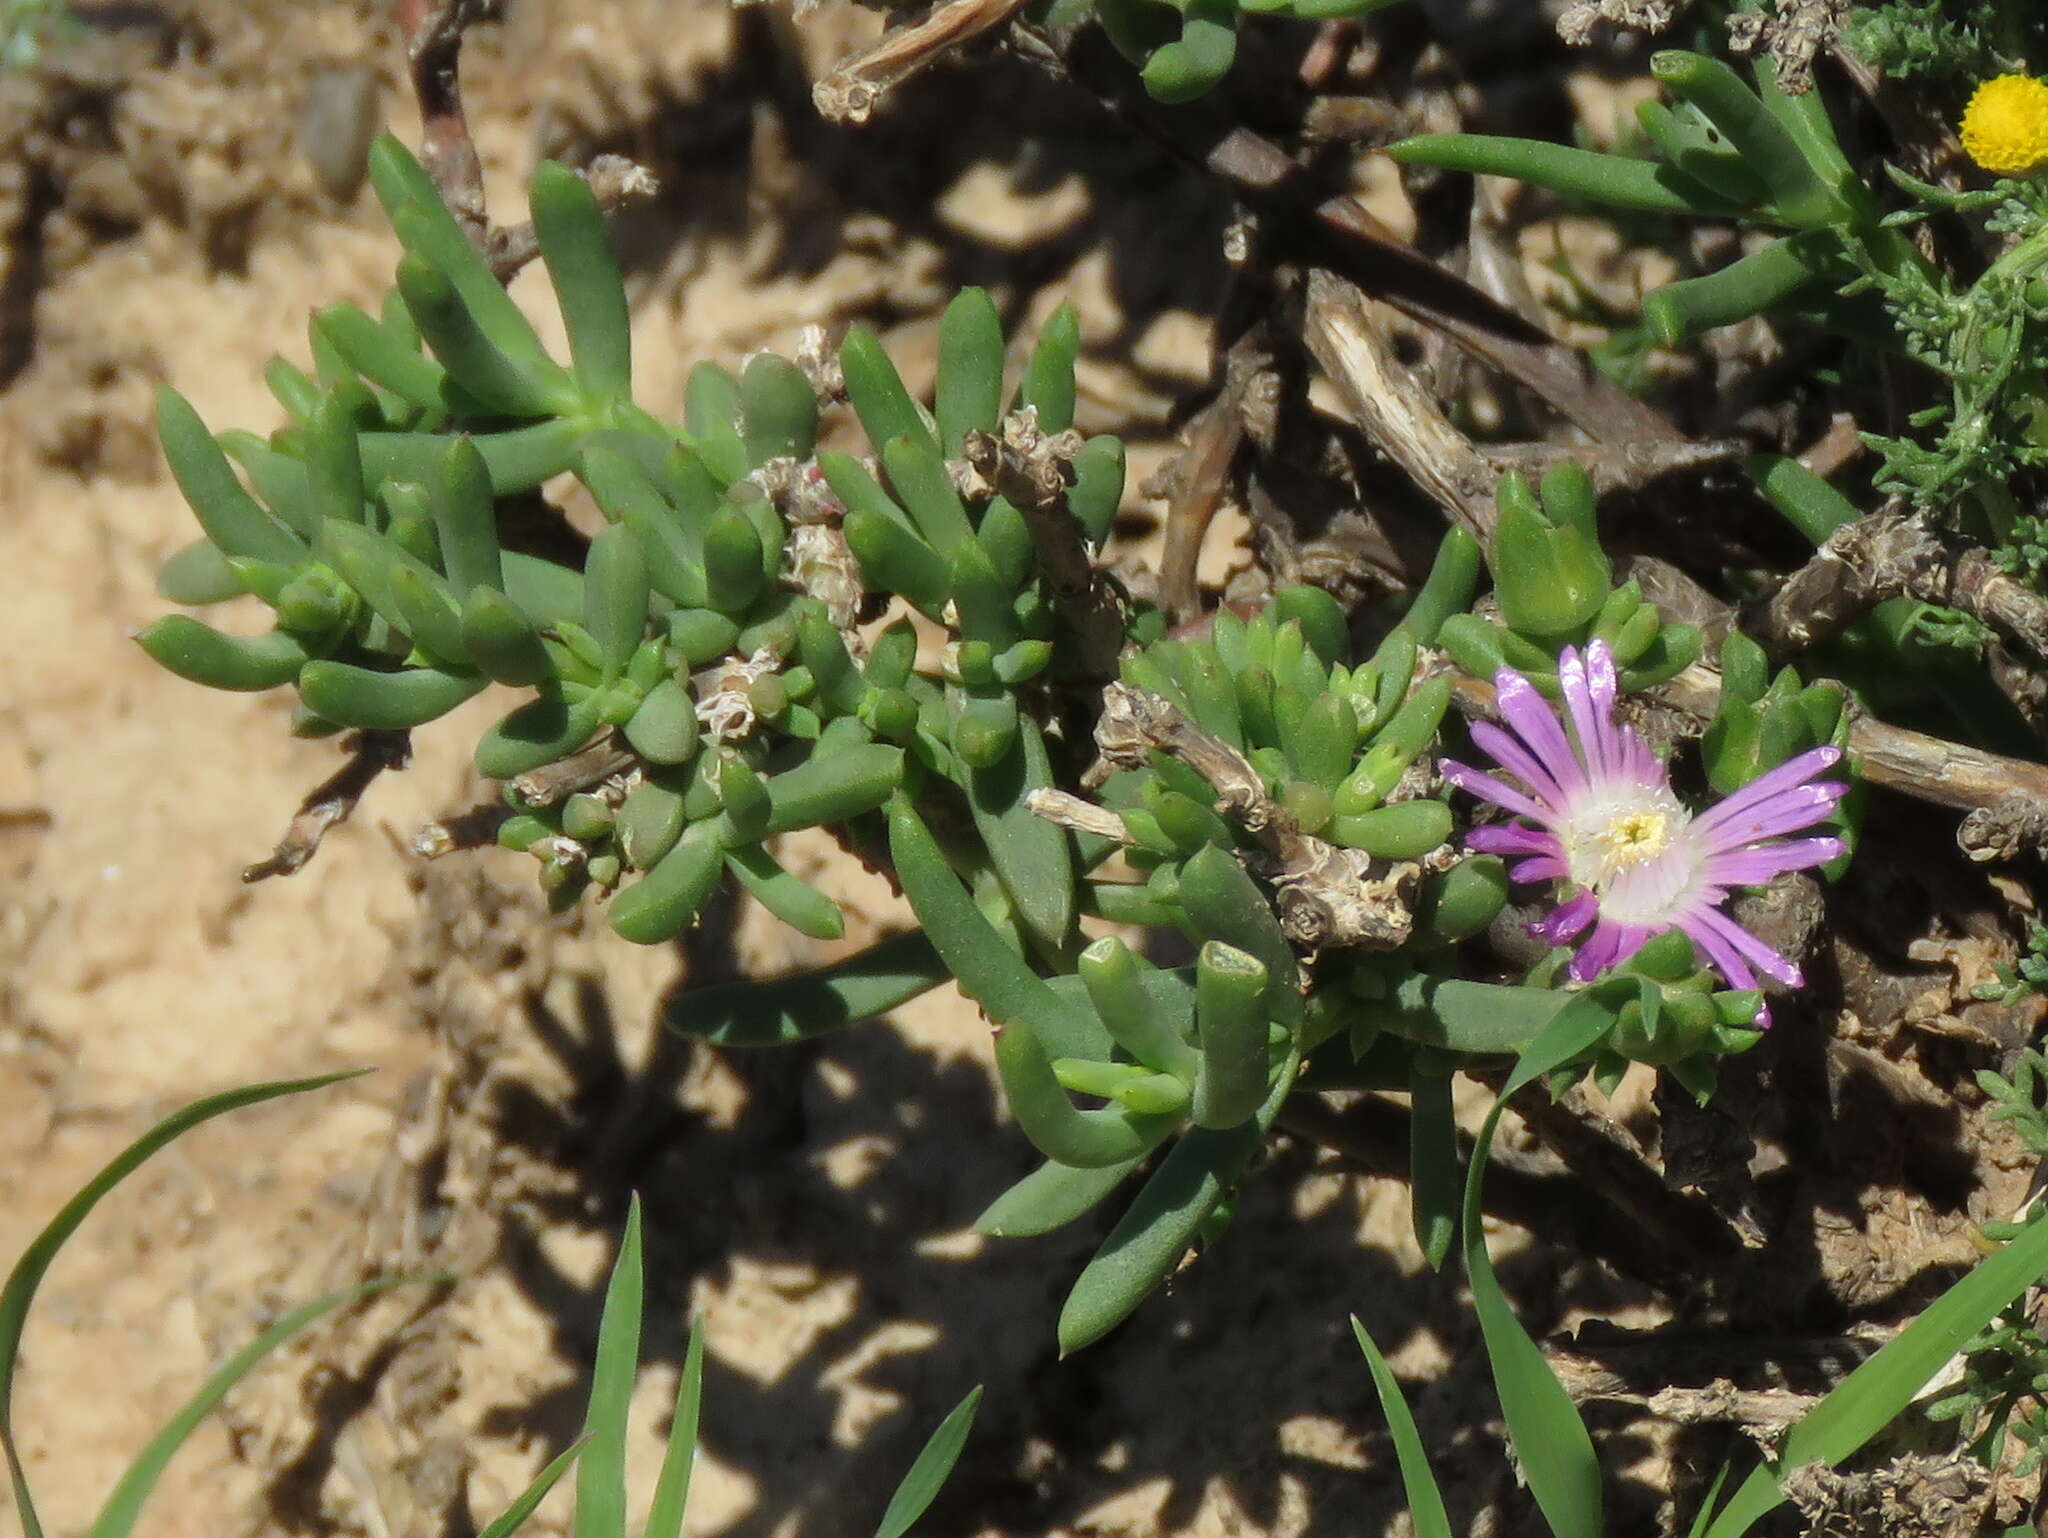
<point>577,250</point>
<point>353,696</point>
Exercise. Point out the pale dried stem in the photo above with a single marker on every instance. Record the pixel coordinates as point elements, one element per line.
<point>433,31</point>
<point>564,778</point>
<point>851,92</point>
<point>1032,470</point>
<point>1196,481</point>
<point>476,828</point>
<point>1391,405</point>
<point>1065,810</point>
<point>1893,555</point>
<point>329,803</point>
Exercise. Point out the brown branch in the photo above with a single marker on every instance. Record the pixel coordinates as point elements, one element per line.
<point>614,180</point>
<point>1390,405</point>
<point>1894,555</point>
<point>1372,1135</point>
<point>850,92</point>
<point>1606,1160</point>
<point>1195,481</point>
<point>1066,810</point>
<point>1833,449</point>
<point>1304,222</point>
<point>563,778</point>
<point>433,30</point>
<point>1613,466</point>
<point>1694,1375</point>
<point>329,803</point>
<point>476,828</point>
<point>1032,470</point>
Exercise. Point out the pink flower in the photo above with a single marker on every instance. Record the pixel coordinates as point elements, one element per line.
<point>1599,816</point>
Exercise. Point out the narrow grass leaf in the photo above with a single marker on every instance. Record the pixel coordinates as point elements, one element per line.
<point>601,1476</point>
<point>124,1505</point>
<point>921,1485</point>
<point>1425,1501</point>
<point>672,1487</point>
<point>1707,1505</point>
<point>1872,1396</point>
<point>27,1275</point>
<point>1550,1440</point>
<point>514,1516</point>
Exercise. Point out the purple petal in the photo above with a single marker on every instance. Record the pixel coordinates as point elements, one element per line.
<point>1518,761</point>
<point>1529,715</point>
<point>1567,920</point>
<point>1512,838</point>
<point>1544,867</point>
<point>1578,704</point>
<point>1793,772</point>
<point>1486,788</point>
<point>1786,812</point>
<point>1725,958</point>
<point>1750,948</point>
<point>1637,762</point>
<point>1755,867</point>
<point>1600,683</point>
<point>1600,952</point>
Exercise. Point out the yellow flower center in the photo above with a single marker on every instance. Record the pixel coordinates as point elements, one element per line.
<point>1629,839</point>
<point>2005,127</point>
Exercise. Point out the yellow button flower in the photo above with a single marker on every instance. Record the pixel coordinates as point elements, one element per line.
<point>2005,127</point>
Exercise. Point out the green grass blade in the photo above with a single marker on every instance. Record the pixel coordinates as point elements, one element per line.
<point>601,1476</point>
<point>124,1505</point>
<point>1872,1396</point>
<point>672,1488</point>
<point>921,1485</point>
<point>1550,1440</point>
<point>27,1275</point>
<point>514,1516</point>
<point>1713,1499</point>
<point>1432,1158</point>
<point>1425,1502</point>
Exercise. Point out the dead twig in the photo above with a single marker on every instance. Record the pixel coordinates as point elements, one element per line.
<point>1372,1134</point>
<point>1195,482</point>
<point>1033,469</point>
<point>1893,555</point>
<point>614,181</point>
<point>329,803</point>
<point>850,92</point>
<point>476,828</point>
<point>565,777</point>
<point>1337,232</point>
<point>1391,406</point>
<point>1613,466</point>
<point>433,30</point>
<point>1926,768</point>
<point>1835,448</point>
